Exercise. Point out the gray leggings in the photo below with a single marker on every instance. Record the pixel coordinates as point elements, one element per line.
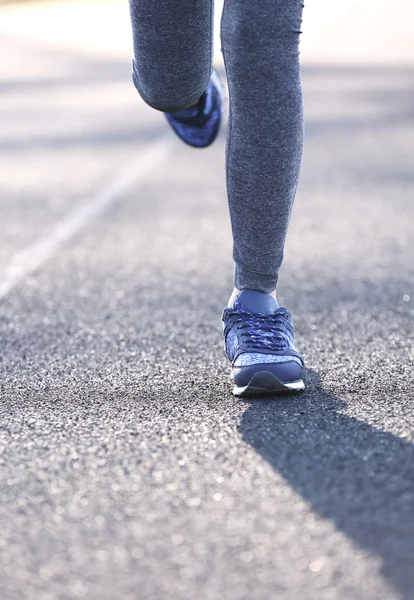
<point>173,48</point>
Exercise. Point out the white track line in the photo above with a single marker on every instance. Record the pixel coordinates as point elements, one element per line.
<point>29,259</point>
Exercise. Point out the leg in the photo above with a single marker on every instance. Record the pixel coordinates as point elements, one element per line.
<point>260,41</point>
<point>173,42</point>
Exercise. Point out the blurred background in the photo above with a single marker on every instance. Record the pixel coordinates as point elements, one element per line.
<point>71,118</point>
<point>127,464</point>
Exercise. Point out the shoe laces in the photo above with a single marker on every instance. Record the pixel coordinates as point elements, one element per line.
<point>264,332</point>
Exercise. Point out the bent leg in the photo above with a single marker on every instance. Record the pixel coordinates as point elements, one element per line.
<point>173,49</point>
<point>260,40</point>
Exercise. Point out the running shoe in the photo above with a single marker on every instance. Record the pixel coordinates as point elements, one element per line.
<point>258,339</point>
<point>199,125</point>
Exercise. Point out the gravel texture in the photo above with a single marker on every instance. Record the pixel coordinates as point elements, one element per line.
<point>128,470</point>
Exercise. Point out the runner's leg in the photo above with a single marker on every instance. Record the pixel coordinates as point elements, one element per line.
<point>260,40</point>
<point>173,48</point>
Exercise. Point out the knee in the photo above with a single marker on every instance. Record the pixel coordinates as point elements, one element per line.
<point>163,96</point>
<point>156,99</point>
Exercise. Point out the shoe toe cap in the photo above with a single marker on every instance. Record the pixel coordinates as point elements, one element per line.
<point>285,372</point>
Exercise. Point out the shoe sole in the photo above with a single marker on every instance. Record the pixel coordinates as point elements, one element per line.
<point>265,383</point>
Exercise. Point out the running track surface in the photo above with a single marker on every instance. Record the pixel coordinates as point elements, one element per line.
<point>128,470</point>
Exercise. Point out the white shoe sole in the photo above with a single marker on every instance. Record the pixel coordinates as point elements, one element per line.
<point>265,383</point>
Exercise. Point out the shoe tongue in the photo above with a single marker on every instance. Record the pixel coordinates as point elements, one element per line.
<point>257,302</point>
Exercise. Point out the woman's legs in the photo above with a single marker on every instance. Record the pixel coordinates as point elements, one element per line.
<point>260,41</point>
<point>173,49</point>
<point>172,68</point>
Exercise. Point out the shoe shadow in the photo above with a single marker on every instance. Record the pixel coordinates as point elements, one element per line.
<point>358,477</point>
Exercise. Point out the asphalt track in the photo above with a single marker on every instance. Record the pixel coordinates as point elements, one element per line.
<point>128,470</point>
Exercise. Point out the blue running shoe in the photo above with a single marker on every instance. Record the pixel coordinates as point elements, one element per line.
<point>199,125</point>
<point>258,339</point>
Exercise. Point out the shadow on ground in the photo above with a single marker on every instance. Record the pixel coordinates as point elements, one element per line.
<point>358,477</point>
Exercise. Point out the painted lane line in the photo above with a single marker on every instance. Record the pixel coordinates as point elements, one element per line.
<point>29,259</point>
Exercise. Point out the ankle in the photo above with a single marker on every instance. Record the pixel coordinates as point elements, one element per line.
<point>236,292</point>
